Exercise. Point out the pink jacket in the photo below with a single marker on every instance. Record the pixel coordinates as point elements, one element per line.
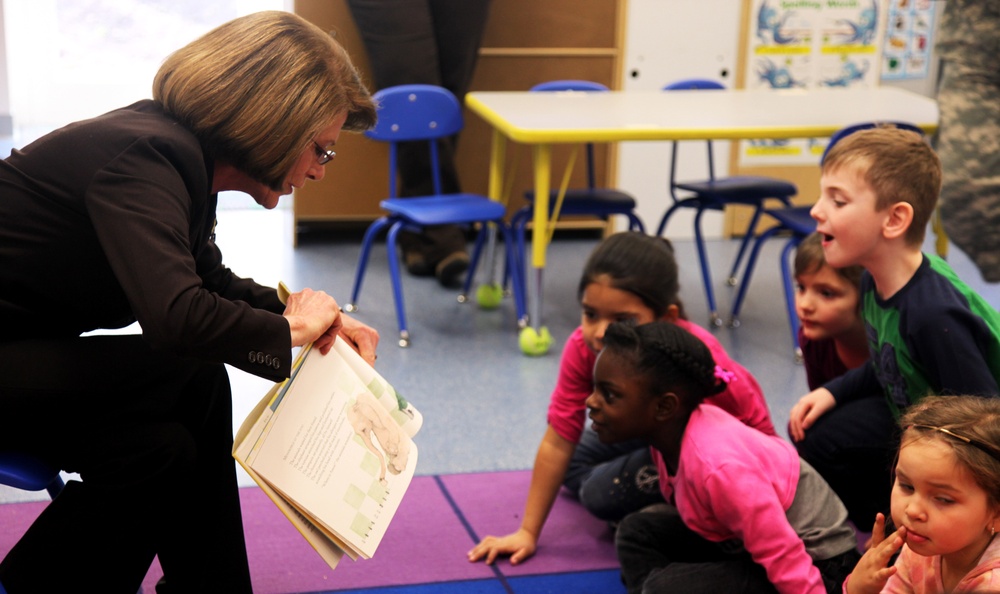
<point>736,483</point>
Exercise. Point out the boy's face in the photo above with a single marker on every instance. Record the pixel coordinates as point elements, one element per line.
<point>846,216</point>
<point>826,303</point>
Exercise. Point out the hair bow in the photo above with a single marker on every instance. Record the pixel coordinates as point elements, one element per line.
<point>727,377</point>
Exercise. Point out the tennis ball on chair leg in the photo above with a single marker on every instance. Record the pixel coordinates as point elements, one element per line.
<point>489,295</point>
<point>535,342</point>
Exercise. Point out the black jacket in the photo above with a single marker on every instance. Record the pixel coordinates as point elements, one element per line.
<point>111,220</point>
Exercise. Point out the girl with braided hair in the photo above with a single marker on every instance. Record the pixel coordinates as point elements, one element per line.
<point>629,276</point>
<point>744,513</point>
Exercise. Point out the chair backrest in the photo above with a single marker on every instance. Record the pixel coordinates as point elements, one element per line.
<point>848,130</point>
<point>694,84</point>
<point>569,85</point>
<point>691,84</point>
<point>566,85</point>
<point>415,113</point>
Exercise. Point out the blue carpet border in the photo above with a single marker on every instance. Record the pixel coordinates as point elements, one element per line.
<point>603,581</point>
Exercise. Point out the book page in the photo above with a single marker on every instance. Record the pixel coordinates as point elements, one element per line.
<point>332,442</point>
<point>405,414</point>
<point>321,541</point>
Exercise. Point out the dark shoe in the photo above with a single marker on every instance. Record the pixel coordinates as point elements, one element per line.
<point>416,264</point>
<point>449,271</point>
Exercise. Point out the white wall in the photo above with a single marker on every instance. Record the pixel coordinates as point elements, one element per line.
<point>671,39</point>
<point>6,121</point>
<point>667,40</point>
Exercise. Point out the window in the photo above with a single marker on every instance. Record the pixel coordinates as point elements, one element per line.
<point>73,59</point>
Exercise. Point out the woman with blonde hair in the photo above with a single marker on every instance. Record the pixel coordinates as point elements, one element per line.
<point>111,221</point>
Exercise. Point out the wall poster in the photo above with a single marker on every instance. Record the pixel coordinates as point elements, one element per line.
<point>809,44</point>
<point>909,28</point>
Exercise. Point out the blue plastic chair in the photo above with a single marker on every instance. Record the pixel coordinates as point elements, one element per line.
<point>602,203</point>
<point>427,113</point>
<point>796,222</point>
<point>716,193</point>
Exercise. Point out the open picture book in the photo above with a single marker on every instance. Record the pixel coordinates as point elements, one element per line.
<point>332,447</point>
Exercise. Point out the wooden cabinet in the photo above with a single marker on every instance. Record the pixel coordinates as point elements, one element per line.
<point>526,42</point>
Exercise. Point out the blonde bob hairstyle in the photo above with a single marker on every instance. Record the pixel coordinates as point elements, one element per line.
<point>257,90</point>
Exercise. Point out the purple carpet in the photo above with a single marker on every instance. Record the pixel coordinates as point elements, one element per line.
<point>440,519</point>
<point>572,540</point>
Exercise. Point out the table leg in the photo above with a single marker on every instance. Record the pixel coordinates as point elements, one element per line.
<point>489,295</point>
<point>536,339</point>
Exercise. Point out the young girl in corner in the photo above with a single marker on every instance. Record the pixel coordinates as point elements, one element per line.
<point>945,501</point>
<point>629,276</point>
<point>747,514</point>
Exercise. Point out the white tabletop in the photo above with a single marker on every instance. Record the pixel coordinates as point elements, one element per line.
<point>555,117</point>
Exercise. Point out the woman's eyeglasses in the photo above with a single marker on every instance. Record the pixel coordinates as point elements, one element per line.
<point>323,156</point>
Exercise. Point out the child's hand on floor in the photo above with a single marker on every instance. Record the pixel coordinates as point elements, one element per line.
<point>519,545</point>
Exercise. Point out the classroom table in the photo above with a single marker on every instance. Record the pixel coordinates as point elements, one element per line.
<point>544,119</point>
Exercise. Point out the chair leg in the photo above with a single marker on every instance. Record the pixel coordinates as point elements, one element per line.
<point>666,218</point>
<point>477,249</point>
<point>516,278</point>
<point>635,223</point>
<point>518,226</point>
<point>734,319</point>
<point>751,231</point>
<point>706,274</point>
<point>789,285</point>
<point>490,230</point>
<point>366,247</point>
<point>397,283</point>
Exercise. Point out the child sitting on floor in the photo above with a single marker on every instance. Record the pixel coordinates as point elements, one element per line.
<point>629,276</point>
<point>747,514</point>
<point>828,304</point>
<point>927,331</point>
<point>945,501</point>
<point>832,340</point>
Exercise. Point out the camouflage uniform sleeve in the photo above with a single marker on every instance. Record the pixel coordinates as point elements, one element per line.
<point>968,140</point>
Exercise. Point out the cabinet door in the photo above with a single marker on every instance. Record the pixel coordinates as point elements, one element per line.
<point>526,42</point>
<point>357,179</point>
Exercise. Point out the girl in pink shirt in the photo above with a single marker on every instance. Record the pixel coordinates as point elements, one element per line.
<point>629,276</point>
<point>945,501</point>
<point>745,514</point>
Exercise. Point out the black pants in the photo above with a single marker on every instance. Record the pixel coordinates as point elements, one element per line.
<point>151,437</point>
<point>612,480</point>
<point>853,447</point>
<point>660,555</point>
<point>433,42</point>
